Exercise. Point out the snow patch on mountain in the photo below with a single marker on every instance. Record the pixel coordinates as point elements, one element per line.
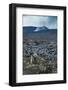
<point>40,29</point>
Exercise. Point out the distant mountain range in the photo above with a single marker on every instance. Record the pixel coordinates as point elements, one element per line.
<point>39,33</point>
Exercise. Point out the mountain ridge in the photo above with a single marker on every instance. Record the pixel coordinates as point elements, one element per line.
<point>31,29</point>
<point>43,34</point>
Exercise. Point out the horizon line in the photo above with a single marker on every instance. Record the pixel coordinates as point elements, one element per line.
<point>39,26</point>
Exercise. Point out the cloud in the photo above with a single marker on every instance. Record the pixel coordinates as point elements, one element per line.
<point>38,21</point>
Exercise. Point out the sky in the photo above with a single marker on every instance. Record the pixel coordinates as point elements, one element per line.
<point>39,21</point>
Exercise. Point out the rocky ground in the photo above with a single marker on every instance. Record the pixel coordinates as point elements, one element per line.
<point>39,57</point>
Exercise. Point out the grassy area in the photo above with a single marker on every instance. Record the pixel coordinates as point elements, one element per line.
<point>39,66</point>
